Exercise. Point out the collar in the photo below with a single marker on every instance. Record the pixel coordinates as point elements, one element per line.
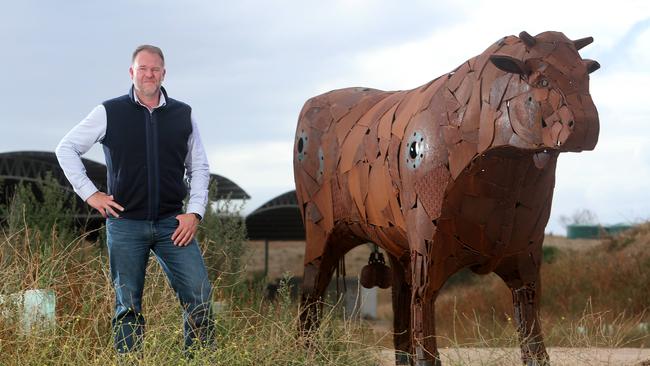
<point>161,102</point>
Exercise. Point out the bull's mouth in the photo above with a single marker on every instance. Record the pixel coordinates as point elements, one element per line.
<point>549,138</point>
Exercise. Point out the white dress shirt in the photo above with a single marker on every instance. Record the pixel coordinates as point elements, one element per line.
<point>92,129</point>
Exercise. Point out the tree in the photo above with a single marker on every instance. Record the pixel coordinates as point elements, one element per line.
<point>580,217</point>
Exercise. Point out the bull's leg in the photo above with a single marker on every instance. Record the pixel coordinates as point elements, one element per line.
<point>423,297</point>
<point>318,273</point>
<point>526,292</point>
<point>526,307</point>
<point>316,278</point>
<point>401,291</point>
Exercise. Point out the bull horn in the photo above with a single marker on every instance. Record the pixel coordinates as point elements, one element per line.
<point>527,38</point>
<point>591,65</point>
<point>582,42</point>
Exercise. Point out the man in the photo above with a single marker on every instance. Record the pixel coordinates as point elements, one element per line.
<point>149,141</point>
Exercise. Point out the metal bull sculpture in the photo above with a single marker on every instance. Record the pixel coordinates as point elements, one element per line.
<point>456,173</point>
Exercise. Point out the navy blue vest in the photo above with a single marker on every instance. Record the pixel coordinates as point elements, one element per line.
<point>145,156</point>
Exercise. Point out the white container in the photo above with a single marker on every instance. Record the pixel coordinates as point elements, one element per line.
<point>219,307</point>
<point>359,301</point>
<point>32,309</point>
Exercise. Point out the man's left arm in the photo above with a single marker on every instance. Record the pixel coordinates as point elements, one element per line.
<point>198,173</point>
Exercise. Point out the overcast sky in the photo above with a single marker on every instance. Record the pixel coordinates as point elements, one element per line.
<point>247,67</point>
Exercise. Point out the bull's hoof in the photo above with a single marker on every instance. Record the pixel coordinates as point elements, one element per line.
<point>421,359</point>
<point>427,363</point>
<point>542,362</point>
<point>435,362</point>
<point>402,359</point>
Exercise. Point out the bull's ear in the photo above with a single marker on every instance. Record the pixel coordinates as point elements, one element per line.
<point>510,64</point>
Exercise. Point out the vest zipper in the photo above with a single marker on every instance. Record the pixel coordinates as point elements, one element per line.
<point>155,159</point>
<point>152,165</point>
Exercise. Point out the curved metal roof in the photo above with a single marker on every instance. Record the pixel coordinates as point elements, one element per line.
<point>227,188</point>
<point>277,219</point>
<point>30,166</point>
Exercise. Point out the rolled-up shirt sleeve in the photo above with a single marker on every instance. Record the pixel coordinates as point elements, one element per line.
<point>77,142</point>
<point>198,172</point>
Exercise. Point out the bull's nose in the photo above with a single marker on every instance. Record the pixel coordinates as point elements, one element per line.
<point>564,134</point>
<point>551,133</point>
<point>583,135</point>
<point>585,128</point>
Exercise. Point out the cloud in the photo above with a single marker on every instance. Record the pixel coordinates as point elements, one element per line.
<point>630,52</point>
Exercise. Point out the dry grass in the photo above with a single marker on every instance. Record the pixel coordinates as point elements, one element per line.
<point>594,297</point>
<point>594,294</point>
<point>590,298</point>
<point>250,331</point>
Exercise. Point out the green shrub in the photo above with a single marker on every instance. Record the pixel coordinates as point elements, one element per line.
<point>43,206</point>
<point>222,235</point>
<point>549,254</point>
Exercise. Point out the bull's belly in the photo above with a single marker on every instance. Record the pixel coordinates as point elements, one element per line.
<point>497,208</point>
<point>391,239</point>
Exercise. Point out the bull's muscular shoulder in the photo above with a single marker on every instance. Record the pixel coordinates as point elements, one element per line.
<point>349,96</point>
<point>341,101</point>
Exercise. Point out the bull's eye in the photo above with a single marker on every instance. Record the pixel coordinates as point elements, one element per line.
<point>300,145</point>
<point>543,83</point>
<point>413,150</point>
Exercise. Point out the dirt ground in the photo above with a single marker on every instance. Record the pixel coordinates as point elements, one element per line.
<point>558,356</point>
<point>287,256</point>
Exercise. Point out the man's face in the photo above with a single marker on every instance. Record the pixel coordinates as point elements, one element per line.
<point>147,73</point>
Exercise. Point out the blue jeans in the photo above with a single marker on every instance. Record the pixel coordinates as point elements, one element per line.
<point>129,244</point>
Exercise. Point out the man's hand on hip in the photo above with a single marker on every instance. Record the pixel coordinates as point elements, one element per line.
<point>184,233</point>
<point>104,203</point>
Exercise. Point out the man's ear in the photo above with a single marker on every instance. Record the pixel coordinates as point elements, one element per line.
<point>131,72</point>
<point>510,64</point>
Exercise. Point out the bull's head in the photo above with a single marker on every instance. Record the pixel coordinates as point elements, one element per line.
<point>549,105</point>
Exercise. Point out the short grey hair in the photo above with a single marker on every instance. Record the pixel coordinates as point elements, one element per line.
<point>148,48</point>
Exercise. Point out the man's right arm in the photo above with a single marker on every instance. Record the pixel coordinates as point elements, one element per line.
<point>77,142</point>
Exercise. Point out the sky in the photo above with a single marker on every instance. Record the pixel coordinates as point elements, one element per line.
<point>247,67</point>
